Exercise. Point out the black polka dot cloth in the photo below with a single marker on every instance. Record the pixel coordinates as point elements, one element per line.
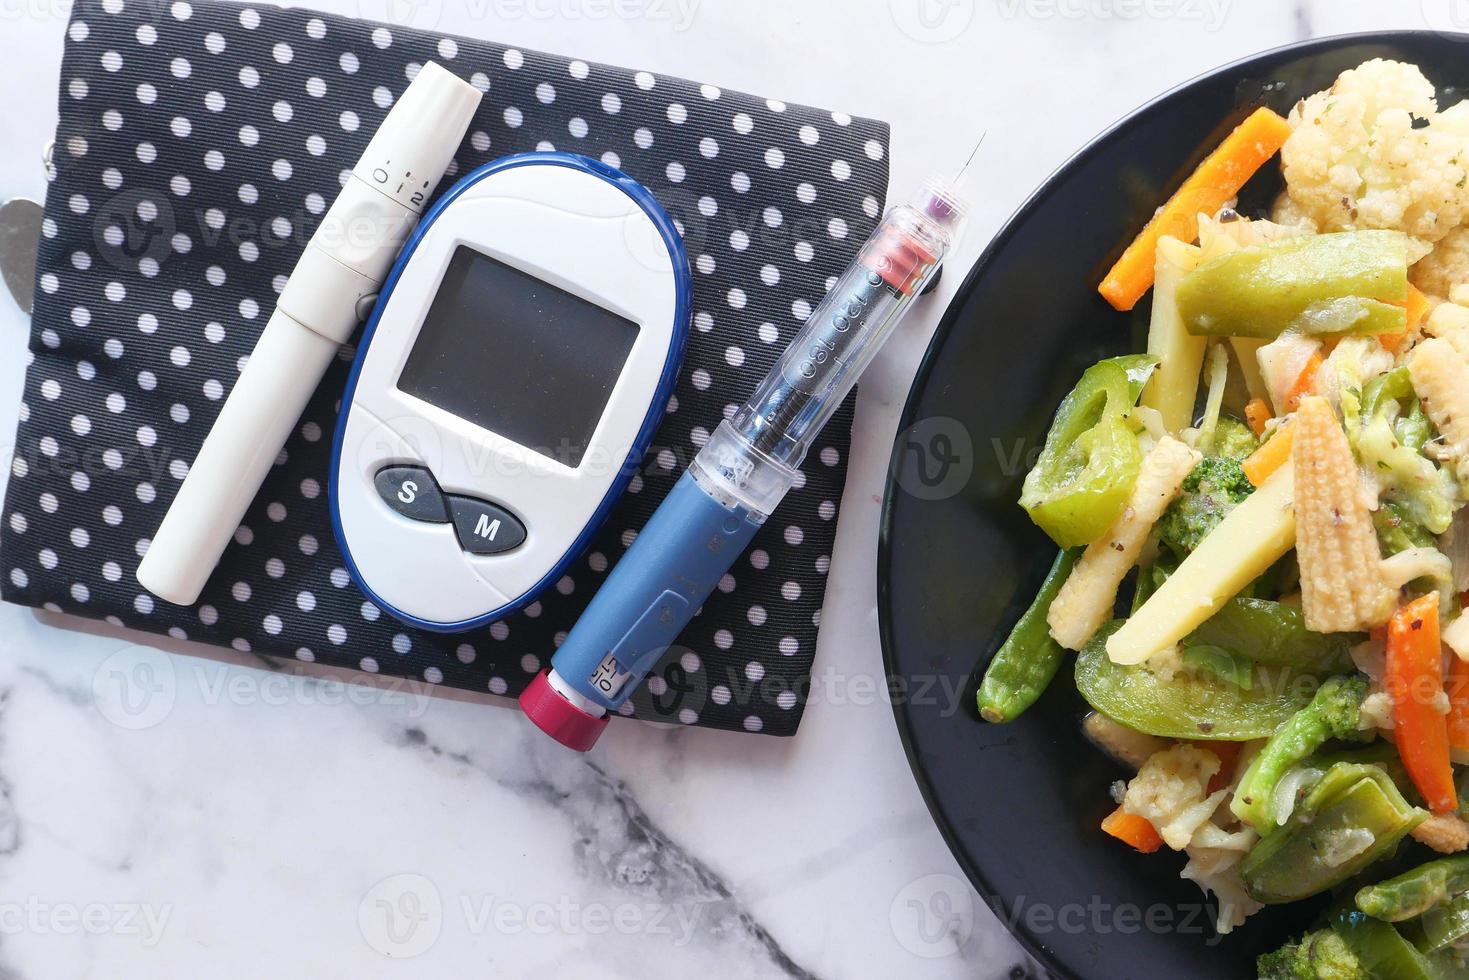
<point>198,145</point>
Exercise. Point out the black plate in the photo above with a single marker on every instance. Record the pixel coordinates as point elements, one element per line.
<point>1019,804</point>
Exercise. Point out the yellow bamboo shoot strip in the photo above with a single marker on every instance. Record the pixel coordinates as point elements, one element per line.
<point>1174,386</point>
<point>1440,378</point>
<point>1250,539</point>
<point>1342,586</point>
<point>1086,598</point>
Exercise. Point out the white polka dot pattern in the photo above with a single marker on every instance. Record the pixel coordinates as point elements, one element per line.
<point>198,146</point>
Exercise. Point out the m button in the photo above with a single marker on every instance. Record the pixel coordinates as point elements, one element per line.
<point>483,528</point>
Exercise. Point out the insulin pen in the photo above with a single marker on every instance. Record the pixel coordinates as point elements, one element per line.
<point>739,476</point>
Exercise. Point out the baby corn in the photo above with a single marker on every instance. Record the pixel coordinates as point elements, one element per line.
<point>1440,378</point>
<point>1086,600</point>
<point>1342,587</point>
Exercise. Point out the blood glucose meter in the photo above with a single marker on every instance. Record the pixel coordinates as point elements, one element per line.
<point>516,365</point>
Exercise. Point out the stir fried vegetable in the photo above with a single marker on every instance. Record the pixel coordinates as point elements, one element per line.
<point>1314,284</point>
<point>1333,713</point>
<point>1349,819</point>
<point>1210,492</point>
<point>1414,680</point>
<point>1085,473</point>
<point>1414,892</point>
<point>1250,539</point>
<point>1026,662</point>
<point>1210,187</point>
<point>1182,703</point>
<point>1286,679</point>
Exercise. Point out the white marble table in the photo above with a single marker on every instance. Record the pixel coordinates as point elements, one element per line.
<point>231,821</point>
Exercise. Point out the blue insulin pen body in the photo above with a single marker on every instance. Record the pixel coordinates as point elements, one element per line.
<point>739,477</point>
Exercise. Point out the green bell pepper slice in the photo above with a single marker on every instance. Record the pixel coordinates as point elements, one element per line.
<point>1027,661</point>
<point>1345,282</point>
<point>1190,704</point>
<point>1354,816</point>
<point>1086,472</point>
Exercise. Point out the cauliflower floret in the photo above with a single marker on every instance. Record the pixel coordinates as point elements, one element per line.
<point>1356,160</point>
<point>1287,213</point>
<point>1447,266</point>
<point>1171,790</point>
<point>1217,871</point>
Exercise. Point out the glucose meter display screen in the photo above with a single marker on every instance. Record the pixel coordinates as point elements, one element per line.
<point>515,355</point>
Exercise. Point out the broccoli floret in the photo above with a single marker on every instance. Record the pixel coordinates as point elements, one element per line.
<point>1321,955</point>
<point>1334,712</point>
<point>1210,491</point>
<point>1233,439</point>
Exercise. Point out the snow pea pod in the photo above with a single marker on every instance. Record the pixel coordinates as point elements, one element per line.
<point>1414,892</point>
<point>1193,704</point>
<point>1024,665</point>
<point>1351,818</point>
<point>1086,472</point>
<point>1273,633</point>
<point>1440,927</point>
<point>1346,282</point>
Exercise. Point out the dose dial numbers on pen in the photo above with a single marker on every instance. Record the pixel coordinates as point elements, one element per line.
<point>609,677</point>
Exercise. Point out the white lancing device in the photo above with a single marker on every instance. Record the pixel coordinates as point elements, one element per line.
<point>329,293</point>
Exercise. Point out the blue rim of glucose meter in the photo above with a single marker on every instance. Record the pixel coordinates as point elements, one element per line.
<point>655,212</point>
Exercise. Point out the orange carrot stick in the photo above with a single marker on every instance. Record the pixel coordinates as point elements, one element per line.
<point>1257,413</point>
<point>1228,755</point>
<point>1132,829</point>
<point>1217,180</point>
<point>1417,306</point>
<point>1270,457</point>
<point>1305,383</point>
<point>1414,680</point>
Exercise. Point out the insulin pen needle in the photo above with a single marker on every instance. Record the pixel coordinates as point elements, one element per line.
<point>972,153</point>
